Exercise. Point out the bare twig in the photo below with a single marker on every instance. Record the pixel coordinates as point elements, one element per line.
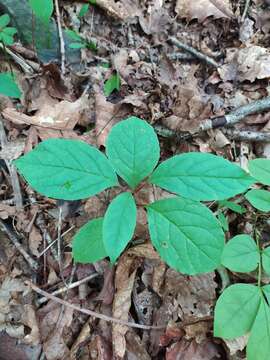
<point>12,171</point>
<point>247,4</point>
<point>236,115</point>
<point>15,241</point>
<point>90,312</point>
<point>66,288</point>
<point>193,51</point>
<point>230,119</point>
<point>246,135</point>
<point>61,38</point>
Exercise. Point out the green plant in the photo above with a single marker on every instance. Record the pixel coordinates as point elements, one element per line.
<point>6,32</point>
<point>85,7</point>
<point>80,42</point>
<point>42,9</point>
<point>8,86</point>
<point>113,83</point>
<point>184,231</point>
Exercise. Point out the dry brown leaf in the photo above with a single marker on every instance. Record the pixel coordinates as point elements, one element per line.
<point>186,350</point>
<point>62,116</point>
<point>124,281</point>
<point>201,9</point>
<point>237,344</point>
<point>120,9</point>
<point>6,211</point>
<point>35,239</point>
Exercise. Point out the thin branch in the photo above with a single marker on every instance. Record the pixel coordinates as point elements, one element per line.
<point>15,241</point>
<point>90,312</point>
<point>193,51</point>
<point>61,38</point>
<point>246,135</point>
<point>66,288</point>
<point>236,115</point>
<point>247,4</point>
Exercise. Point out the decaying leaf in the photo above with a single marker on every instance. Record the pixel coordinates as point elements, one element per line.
<point>201,9</point>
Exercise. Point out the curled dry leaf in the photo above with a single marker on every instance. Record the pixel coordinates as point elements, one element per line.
<point>201,9</point>
<point>6,211</point>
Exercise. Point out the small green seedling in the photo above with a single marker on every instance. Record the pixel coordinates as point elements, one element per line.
<point>186,234</point>
<point>113,83</point>
<point>80,42</point>
<point>6,32</point>
<point>85,8</point>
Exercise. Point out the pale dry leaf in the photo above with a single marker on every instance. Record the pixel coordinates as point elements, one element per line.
<point>30,320</point>
<point>12,150</point>
<point>201,9</point>
<point>120,9</point>
<point>237,344</point>
<point>62,116</point>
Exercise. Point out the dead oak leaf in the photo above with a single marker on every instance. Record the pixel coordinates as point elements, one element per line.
<point>201,9</point>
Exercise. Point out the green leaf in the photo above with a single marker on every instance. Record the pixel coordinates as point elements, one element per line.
<point>186,235</point>
<point>73,35</point>
<point>119,224</point>
<point>8,86</point>
<point>241,254</point>
<point>236,310</point>
<point>4,21</point>
<point>133,149</point>
<point>91,45</point>
<point>113,83</point>
<point>258,347</point>
<point>11,31</point>
<point>83,10</point>
<point>43,9</point>
<point>232,206</point>
<point>260,199</point>
<point>201,176</point>
<point>78,45</point>
<point>266,259</point>
<point>87,244</point>
<point>223,221</point>
<point>66,169</point>
<point>6,39</point>
<point>260,170</point>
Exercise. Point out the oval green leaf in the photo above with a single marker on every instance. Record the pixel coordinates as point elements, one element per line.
<point>119,224</point>
<point>43,9</point>
<point>258,347</point>
<point>260,170</point>
<point>87,244</point>
<point>186,235</point>
<point>236,310</point>
<point>4,21</point>
<point>133,149</point>
<point>266,259</point>
<point>66,169</point>
<point>241,254</point>
<point>260,199</point>
<point>8,86</point>
<point>201,176</point>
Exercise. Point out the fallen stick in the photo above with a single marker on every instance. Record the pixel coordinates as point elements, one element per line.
<point>61,38</point>
<point>90,312</point>
<point>66,288</point>
<point>246,135</point>
<point>193,51</point>
<point>230,119</point>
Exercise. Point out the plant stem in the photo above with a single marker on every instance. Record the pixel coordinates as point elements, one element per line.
<point>260,262</point>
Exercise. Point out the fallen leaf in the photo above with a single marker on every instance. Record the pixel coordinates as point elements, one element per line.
<point>35,240</point>
<point>6,211</point>
<point>201,9</point>
<point>62,116</point>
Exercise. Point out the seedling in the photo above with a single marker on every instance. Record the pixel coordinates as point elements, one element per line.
<point>80,42</point>
<point>184,231</point>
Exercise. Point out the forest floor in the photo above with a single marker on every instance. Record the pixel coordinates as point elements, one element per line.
<point>175,89</point>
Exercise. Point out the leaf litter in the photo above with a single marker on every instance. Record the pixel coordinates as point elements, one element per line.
<point>172,89</point>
